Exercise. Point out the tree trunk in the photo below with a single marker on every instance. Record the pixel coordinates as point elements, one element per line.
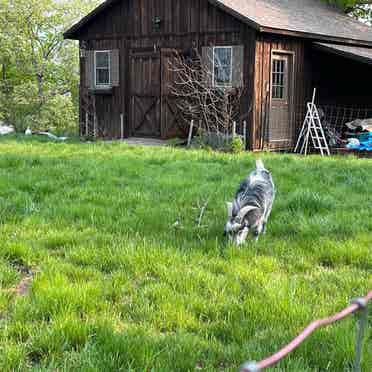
<point>40,88</point>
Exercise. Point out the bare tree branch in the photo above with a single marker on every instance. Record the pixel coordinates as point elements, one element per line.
<point>212,108</point>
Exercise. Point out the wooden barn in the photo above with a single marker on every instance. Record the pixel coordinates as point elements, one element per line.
<point>286,49</point>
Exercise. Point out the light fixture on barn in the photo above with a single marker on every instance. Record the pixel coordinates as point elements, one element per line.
<point>157,23</point>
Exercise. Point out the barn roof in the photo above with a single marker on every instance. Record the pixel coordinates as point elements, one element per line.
<point>309,18</point>
<point>315,19</point>
<point>357,53</point>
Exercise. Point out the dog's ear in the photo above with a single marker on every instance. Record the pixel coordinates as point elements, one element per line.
<point>229,209</point>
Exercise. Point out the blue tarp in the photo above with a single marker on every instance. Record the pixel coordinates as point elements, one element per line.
<point>365,140</point>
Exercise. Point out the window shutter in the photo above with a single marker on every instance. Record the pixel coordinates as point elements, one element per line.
<point>238,66</point>
<point>115,68</point>
<point>207,62</point>
<point>89,69</point>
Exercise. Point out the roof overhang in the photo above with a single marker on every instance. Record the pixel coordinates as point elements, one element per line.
<point>317,37</point>
<point>363,55</point>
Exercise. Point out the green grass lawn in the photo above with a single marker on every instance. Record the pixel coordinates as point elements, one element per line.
<point>119,288</point>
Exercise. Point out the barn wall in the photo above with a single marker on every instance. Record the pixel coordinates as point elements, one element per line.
<point>128,26</point>
<point>134,18</point>
<point>108,106</point>
<point>265,45</point>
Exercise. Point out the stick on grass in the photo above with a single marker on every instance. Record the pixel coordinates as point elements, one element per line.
<point>202,212</point>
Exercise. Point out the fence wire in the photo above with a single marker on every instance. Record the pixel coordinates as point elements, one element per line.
<point>336,116</point>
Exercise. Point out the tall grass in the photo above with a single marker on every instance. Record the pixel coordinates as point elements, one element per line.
<point>121,287</point>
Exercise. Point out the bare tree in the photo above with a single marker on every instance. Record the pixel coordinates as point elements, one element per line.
<point>213,108</point>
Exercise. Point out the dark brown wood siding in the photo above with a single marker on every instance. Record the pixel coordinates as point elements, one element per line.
<point>302,85</point>
<point>129,27</point>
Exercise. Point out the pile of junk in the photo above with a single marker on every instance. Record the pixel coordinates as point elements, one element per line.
<point>356,135</point>
<point>359,135</point>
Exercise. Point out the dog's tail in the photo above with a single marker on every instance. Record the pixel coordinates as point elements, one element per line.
<point>260,165</point>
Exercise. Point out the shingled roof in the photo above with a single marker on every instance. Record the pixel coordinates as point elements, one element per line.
<point>310,18</point>
<point>315,19</point>
<point>357,53</point>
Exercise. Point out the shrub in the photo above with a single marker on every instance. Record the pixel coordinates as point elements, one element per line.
<point>211,141</point>
<point>58,115</point>
<point>218,141</point>
<point>21,108</point>
<point>237,145</point>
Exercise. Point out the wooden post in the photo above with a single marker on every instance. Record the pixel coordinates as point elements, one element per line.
<point>95,129</point>
<point>86,124</point>
<point>122,126</point>
<point>234,129</point>
<point>245,134</point>
<point>190,133</point>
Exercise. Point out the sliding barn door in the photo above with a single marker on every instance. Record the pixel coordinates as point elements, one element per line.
<point>171,118</point>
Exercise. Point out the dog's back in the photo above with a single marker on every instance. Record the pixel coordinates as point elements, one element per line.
<point>257,189</point>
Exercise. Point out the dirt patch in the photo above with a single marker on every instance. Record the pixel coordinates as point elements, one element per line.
<point>22,289</point>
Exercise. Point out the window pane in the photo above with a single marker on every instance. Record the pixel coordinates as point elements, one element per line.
<point>276,78</point>
<point>103,77</point>
<point>222,66</point>
<point>279,79</point>
<point>222,75</point>
<point>223,56</point>
<point>102,59</point>
<point>276,92</point>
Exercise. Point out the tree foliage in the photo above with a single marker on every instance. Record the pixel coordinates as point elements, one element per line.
<point>361,9</point>
<point>39,69</point>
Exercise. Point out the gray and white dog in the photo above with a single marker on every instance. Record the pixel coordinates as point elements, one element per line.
<point>252,205</point>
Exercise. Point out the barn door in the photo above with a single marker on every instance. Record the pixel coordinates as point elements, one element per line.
<point>280,131</point>
<point>145,98</point>
<point>171,119</point>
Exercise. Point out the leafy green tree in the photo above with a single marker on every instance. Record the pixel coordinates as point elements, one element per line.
<point>361,9</point>
<point>38,67</point>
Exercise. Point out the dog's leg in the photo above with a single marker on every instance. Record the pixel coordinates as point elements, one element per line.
<point>266,218</point>
<point>264,227</point>
<point>243,236</point>
<point>258,231</point>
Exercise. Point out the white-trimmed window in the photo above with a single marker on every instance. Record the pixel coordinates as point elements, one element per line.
<point>222,66</point>
<point>102,68</point>
<point>279,77</point>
